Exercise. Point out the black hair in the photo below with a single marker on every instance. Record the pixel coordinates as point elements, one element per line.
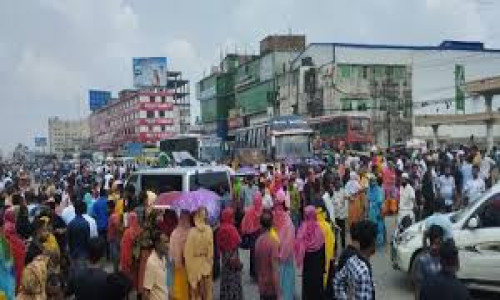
<point>366,234</point>
<point>435,232</point>
<point>156,237</point>
<point>448,254</point>
<point>266,219</point>
<point>118,286</point>
<point>80,207</point>
<point>57,199</point>
<point>103,193</point>
<point>439,205</point>
<point>96,249</point>
<point>17,199</point>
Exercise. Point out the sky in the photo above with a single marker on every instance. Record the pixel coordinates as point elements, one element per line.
<point>53,51</point>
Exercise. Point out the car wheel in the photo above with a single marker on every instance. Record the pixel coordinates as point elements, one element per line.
<point>413,267</point>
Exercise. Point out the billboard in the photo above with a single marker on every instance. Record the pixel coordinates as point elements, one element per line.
<point>133,149</point>
<point>98,99</point>
<point>40,141</point>
<point>150,71</point>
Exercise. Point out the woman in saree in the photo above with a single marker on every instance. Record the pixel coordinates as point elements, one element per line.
<point>180,285</point>
<point>228,241</point>
<point>375,201</point>
<point>329,235</point>
<point>15,242</point>
<point>250,228</point>
<point>352,190</point>
<point>127,265</point>
<point>283,224</point>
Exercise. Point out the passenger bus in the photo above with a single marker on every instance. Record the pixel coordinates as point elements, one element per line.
<point>279,138</point>
<point>202,147</point>
<point>342,132</point>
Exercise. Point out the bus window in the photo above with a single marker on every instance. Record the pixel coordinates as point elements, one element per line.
<point>360,124</point>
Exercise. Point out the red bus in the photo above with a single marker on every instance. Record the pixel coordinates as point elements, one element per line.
<point>342,132</point>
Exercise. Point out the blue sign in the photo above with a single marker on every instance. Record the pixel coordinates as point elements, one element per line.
<point>133,149</point>
<point>40,141</point>
<point>98,99</point>
<point>150,71</point>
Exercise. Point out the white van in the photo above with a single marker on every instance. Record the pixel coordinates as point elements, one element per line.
<point>183,179</point>
<point>476,230</point>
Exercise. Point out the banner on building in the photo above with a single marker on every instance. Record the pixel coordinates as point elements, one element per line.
<point>133,149</point>
<point>150,71</point>
<point>98,99</point>
<point>40,141</point>
<point>459,88</point>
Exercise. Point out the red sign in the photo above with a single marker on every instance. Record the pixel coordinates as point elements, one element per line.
<point>154,136</point>
<point>156,121</point>
<point>157,106</point>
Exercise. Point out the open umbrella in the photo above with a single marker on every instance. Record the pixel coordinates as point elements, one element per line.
<point>191,201</point>
<point>166,200</point>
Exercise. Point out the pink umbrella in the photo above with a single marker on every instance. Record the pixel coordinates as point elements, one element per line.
<point>167,200</point>
<point>193,200</point>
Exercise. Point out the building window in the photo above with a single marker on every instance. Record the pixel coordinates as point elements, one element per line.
<point>345,71</point>
<point>365,72</point>
<point>150,114</point>
<point>150,128</point>
<point>152,99</point>
<point>163,99</point>
<point>346,104</point>
<point>162,113</point>
<point>162,128</point>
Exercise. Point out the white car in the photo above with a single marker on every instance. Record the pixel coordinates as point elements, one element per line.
<point>476,230</point>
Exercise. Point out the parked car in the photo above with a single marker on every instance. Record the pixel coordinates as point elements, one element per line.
<point>182,179</point>
<point>476,230</point>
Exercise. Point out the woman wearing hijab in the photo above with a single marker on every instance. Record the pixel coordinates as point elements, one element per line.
<point>327,231</point>
<point>352,191</point>
<point>286,233</point>
<point>228,241</point>
<point>7,270</point>
<point>375,202</point>
<point>16,244</point>
<point>180,285</point>
<point>198,254</point>
<point>428,193</point>
<point>250,228</point>
<point>127,265</point>
<point>310,255</point>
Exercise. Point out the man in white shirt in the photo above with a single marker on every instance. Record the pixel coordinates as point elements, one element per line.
<point>406,198</point>
<point>107,179</point>
<point>329,199</point>
<point>475,187</point>
<point>68,214</point>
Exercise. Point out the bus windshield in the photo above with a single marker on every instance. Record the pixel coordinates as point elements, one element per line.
<point>360,125</point>
<point>293,146</point>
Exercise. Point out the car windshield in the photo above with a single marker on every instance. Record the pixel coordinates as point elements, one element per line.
<point>462,212</point>
<point>293,146</point>
<point>161,183</point>
<point>213,181</point>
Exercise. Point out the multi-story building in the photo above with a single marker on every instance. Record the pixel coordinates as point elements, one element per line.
<point>243,91</point>
<point>389,83</point>
<point>143,116</point>
<point>67,135</point>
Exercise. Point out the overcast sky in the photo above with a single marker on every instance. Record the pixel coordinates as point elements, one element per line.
<point>53,51</point>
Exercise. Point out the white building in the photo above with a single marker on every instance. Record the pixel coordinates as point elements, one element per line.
<point>390,83</point>
<point>67,135</point>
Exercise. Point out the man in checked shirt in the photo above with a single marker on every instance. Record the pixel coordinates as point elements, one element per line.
<point>355,279</point>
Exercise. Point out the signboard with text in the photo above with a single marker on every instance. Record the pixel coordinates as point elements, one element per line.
<point>150,71</point>
<point>98,99</point>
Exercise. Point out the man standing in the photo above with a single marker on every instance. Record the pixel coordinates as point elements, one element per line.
<point>78,234</point>
<point>267,260</point>
<point>90,282</point>
<point>406,199</point>
<point>475,187</point>
<point>445,285</point>
<point>100,213</point>
<point>155,278</point>
<point>447,188</point>
<point>355,279</point>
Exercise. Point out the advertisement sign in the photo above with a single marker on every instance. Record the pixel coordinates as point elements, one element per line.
<point>150,71</point>
<point>156,106</point>
<point>459,87</point>
<point>133,149</point>
<point>156,121</point>
<point>98,99</point>
<point>155,136</point>
<point>40,141</point>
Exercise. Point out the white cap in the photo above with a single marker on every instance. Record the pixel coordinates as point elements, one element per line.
<point>405,176</point>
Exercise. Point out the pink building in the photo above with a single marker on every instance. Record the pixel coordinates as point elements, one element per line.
<point>143,116</point>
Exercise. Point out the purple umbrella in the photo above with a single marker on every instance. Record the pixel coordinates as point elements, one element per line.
<point>191,201</point>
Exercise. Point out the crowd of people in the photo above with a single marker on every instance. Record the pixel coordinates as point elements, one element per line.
<point>87,235</point>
